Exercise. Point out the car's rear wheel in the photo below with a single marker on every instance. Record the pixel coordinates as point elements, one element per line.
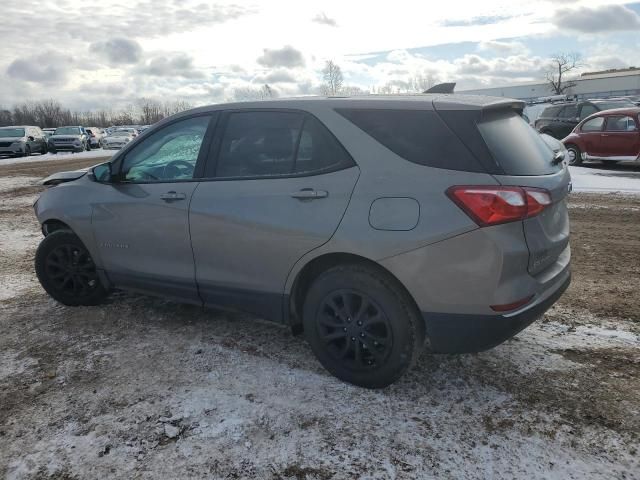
<point>66,270</point>
<point>43,150</point>
<point>362,326</point>
<point>575,155</point>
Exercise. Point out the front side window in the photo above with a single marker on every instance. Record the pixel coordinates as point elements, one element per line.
<point>620,123</point>
<point>170,154</point>
<point>593,125</point>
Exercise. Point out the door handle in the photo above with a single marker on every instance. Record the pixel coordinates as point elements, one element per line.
<point>309,194</point>
<point>171,196</point>
<point>604,135</point>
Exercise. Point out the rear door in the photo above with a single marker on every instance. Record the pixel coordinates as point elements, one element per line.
<point>279,188</point>
<point>567,120</point>
<point>620,138</point>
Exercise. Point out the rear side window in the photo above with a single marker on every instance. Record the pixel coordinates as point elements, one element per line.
<point>587,110</point>
<point>620,124</point>
<point>570,111</point>
<point>517,147</point>
<point>419,136</point>
<point>269,143</point>
<point>593,125</point>
<point>551,111</point>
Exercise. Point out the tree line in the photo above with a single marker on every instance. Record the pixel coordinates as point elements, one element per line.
<point>51,113</point>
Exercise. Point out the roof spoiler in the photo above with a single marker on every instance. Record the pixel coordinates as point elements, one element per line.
<point>442,88</point>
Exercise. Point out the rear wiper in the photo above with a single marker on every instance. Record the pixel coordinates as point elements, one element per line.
<point>558,157</point>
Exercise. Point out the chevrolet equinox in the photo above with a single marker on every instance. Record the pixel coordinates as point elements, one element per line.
<point>379,226</point>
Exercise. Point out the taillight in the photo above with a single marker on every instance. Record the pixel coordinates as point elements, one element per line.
<point>493,205</point>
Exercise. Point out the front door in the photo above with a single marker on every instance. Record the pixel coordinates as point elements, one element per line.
<point>620,138</point>
<point>141,222</point>
<point>279,189</point>
<point>591,135</point>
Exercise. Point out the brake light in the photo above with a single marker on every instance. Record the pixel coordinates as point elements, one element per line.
<point>493,205</point>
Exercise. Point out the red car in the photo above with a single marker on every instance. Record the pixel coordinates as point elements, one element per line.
<point>608,136</point>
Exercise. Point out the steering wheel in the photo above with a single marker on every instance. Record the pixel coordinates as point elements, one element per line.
<point>176,168</point>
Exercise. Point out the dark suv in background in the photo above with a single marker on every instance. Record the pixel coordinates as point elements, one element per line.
<point>559,119</point>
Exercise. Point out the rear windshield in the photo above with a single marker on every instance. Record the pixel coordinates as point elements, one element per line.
<point>419,136</point>
<point>515,145</point>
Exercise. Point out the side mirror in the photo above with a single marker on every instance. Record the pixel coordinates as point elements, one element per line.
<point>102,173</point>
<point>30,138</point>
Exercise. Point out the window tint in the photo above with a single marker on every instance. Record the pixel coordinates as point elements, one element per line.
<point>569,111</point>
<point>169,154</point>
<point>551,111</point>
<point>515,145</point>
<point>593,125</point>
<point>587,110</point>
<point>259,144</point>
<point>419,136</point>
<point>620,124</point>
<point>318,149</point>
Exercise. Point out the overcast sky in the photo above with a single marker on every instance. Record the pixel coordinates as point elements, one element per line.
<point>106,54</point>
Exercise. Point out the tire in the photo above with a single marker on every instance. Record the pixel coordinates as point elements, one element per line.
<point>344,339</point>
<point>87,146</point>
<point>27,151</point>
<point>575,155</point>
<point>66,271</point>
<point>53,152</point>
<point>43,150</point>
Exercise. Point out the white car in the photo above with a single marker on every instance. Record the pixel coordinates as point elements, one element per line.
<point>96,136</point>
<point>117,139</point>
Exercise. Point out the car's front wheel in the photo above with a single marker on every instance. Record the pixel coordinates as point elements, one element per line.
<point>362,326</point>
<point>575,155</point>
<point>66,270</point>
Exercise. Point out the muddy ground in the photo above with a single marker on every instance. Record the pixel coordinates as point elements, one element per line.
<point>144,388</point>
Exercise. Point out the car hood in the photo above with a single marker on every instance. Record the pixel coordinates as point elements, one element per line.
<point>62,177</point>
<point>11,139</point>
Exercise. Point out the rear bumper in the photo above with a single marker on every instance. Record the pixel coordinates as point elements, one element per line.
<point>467,333</point>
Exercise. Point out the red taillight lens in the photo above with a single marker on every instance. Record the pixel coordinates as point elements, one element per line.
<point>489,205</point>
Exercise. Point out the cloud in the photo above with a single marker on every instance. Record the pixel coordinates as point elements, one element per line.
<point>481,20</point>
<point>282,75</point>
<point>118,50</point>
<point>502,47</point>
<point>323,19</point>
<point>173,65</point>
<point>286,56</point>
<point>597,19</point>
<point>49,68</point>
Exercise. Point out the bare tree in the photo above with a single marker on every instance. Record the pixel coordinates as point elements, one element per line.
<point>561,64</point>
<point>333,79</point>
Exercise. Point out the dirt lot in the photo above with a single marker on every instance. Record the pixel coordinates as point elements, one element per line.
<point>144,388</point>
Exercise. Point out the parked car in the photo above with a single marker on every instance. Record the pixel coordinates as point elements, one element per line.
<point>74,139</point>
<point>48,132</point>
<point>117,139</point>
<point>22,141</point>
<point>611,136</point>
<point>379,226</point>
<point>132,131</point>
<point>95,136</point>
<point>558,120</point>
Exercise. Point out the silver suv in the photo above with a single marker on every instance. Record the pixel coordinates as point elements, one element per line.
<point>379,226</point>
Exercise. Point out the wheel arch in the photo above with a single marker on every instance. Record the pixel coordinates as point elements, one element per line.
<point>314,267</point>
<point>51,225</point>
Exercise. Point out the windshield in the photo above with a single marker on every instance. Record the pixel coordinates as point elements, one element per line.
<point>11,132</point>
<point>67,131</point>
<point>120,134</point>
<point>611,105</point>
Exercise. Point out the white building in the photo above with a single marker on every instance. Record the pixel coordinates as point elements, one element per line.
<point>613,83</point>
